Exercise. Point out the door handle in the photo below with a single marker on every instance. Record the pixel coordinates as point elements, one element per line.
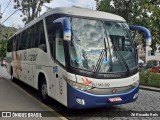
<point>56,75</point>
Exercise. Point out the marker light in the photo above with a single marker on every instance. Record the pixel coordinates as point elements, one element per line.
<point>135,96</point>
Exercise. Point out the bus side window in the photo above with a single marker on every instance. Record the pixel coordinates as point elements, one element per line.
<point>30,37</point>
<point>42,42</point>
<point>23,40</point>
<point>51,36</point>
<point>36,36</point>
<point>14,43</point>
<point>10,45</point>
<point>18,41</point>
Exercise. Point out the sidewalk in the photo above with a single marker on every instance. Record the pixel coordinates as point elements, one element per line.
<point>3,73</point>
<point>14,99</point>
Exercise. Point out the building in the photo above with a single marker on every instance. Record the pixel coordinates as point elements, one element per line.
<point>153,55</point>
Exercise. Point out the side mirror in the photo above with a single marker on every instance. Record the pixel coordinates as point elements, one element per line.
<point>66,27</point>
<point>66,30</point>
<point>146,32</point>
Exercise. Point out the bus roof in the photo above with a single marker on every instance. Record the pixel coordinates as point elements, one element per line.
<point>76,11</point>
<point>85,12</point>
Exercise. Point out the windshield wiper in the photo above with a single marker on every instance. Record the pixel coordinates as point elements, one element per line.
<point>100,60</point>
<point>121,57</point>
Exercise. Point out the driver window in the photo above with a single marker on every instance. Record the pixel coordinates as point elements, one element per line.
<point>59,47</point>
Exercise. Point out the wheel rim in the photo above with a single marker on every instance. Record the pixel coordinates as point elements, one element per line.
<point>44,90</point>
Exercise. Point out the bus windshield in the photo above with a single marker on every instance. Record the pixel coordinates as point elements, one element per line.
<point>91,37</point>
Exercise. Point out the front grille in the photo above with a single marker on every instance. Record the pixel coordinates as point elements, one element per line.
<point>109,91</point>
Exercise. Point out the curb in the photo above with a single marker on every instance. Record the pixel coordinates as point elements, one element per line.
<point>149,88</point>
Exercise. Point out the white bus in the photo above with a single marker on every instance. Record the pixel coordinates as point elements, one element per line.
<point>80,57</point>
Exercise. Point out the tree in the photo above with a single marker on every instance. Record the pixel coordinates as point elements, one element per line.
<point>3,45</point>
<point>124,8</point>
<point>30,8</point>
<point>3,48</point>
<point>136,12</point>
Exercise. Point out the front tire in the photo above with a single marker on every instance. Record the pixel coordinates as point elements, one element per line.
<point>43,91</point>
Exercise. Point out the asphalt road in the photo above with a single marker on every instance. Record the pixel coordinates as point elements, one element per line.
<point>148,102</point>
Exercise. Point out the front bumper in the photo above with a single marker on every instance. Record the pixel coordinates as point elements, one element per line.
<point>93,101</point>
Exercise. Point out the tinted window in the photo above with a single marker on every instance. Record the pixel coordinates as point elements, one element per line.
<point>14,43</point>
<point>36,36</point>
<point>51,37</point>
<point>18,37</point>
<point>23,41</point>
<point>30,37</point>
<point>42,41</point>
<point>10,45</point>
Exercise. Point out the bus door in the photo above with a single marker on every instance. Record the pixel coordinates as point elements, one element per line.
<point>59,66</point>
<point>60,33</point>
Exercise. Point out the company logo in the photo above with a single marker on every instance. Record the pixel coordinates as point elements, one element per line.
<point>101,85</point>
<point>6,114</point>
<point>29,56</point>
<point>85,81</point>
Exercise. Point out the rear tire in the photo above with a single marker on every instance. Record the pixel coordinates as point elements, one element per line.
<point>43,91</point>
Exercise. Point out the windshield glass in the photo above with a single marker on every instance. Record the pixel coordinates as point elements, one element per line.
<point>89,41</point>
<point>120,38</point>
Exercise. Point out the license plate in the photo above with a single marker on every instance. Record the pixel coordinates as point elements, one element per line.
<point>117,99</point>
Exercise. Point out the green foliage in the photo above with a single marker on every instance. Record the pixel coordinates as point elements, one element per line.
<point>30,8</point>
<point>5,33</point>
<point>136,12</point>
<point>151,63</point>
<point>3,48</point>
<point>150,79</point>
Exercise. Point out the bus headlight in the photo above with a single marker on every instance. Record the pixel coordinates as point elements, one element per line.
<point>79,85</point>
